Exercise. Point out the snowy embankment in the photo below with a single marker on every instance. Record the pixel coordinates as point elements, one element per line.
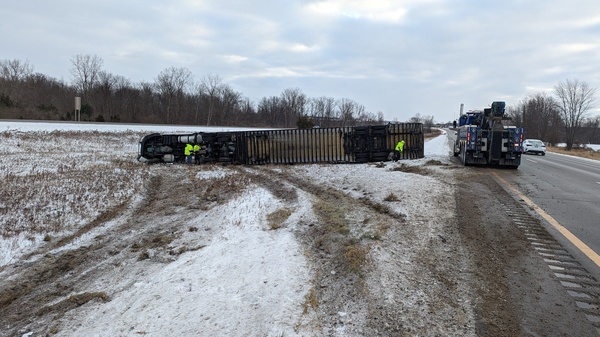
<point>42,165</point>
<point>224,271</point>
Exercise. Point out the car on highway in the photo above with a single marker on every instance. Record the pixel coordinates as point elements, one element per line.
<point>534,146</point>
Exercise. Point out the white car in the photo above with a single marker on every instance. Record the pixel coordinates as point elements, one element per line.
<point>535,146</point>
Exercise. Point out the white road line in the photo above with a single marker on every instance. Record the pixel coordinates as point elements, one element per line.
<point>533,161</point>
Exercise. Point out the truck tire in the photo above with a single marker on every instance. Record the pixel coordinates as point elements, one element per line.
<point>463,155</point>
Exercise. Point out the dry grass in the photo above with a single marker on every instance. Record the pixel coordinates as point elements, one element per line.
<point>216,191</point>
<point>81,299</point>
<point>277,218</point>
<point>341,238</point>
<point>310,301</point>
<point>334,218</point>
<point>579,152</point>
<point>434,133</point>
<point>411,169</point>
<point>391,197</point>
<point>355,256</point>
<point>61,307</point>
<point>40,201</point>
<point>435,162</point>
<point>69,180</point>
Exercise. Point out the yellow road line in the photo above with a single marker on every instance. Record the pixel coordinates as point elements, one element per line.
<point>585,249</point>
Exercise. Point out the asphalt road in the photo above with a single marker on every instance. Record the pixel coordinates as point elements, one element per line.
<point>568,189</point>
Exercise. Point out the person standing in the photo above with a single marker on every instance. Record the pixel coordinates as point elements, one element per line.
<point>188,152</point>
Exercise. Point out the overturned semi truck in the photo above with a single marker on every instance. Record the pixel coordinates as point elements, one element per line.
<point>356,144</point>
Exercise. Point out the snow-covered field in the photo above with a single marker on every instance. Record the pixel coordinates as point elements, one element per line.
<point>163,259</point>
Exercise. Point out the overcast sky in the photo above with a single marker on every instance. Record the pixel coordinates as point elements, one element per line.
<point>397,57</point>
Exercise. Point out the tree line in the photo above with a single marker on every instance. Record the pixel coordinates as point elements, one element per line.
<point>561,119</point>
<point>174,97</point>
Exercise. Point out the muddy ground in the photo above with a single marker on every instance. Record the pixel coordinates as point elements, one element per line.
<point>443,260</point>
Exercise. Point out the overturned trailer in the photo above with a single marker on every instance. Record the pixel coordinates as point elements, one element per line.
<point>288,146</point>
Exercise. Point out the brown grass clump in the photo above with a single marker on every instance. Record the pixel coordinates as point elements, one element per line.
<point>411,169</point>
<point>217,191</point>
<point>379,207</point>
<point>391,197</point>
<point>81,299</point>
<point>333,217</point>
<point>159,241</point>
<point>375,235</point>
<point>73,301</point>
<point>277,218</point>
<point>310,300</point>
<point>579,152</point>
<point>355,255</point>
<point>434,162</point>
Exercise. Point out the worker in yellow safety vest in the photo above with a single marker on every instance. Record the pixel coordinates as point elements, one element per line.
<point>188,153</point>
<point>397,151</point>
<point>400,146</point>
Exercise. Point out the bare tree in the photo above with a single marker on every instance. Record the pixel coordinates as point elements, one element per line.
<point>575,100</point>
<point>416,118</point>
<point>171,85</point>
<point>538,112</point>
<point>15,70</point>
<point>348,111</point>
<point>230,101</point>
<point>294,104</point>
<point>210,86</point>
<point>106,88</point>
<point>428,122</point>
<point>248,115</point>
<point>86,71</point>
<point>149,102</point>
<point>322,110</point>
<point>270,111</point>
<point>13,75</point>
<point>595,124</point>
<point>590,134</point>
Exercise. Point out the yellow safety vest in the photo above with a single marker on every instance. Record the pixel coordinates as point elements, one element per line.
<point>400,146</point>
<point>188,149</point>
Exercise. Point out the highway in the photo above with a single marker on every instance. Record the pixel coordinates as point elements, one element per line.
<point>567,188</point>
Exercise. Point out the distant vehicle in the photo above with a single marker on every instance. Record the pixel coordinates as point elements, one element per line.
<point>534,146</point>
